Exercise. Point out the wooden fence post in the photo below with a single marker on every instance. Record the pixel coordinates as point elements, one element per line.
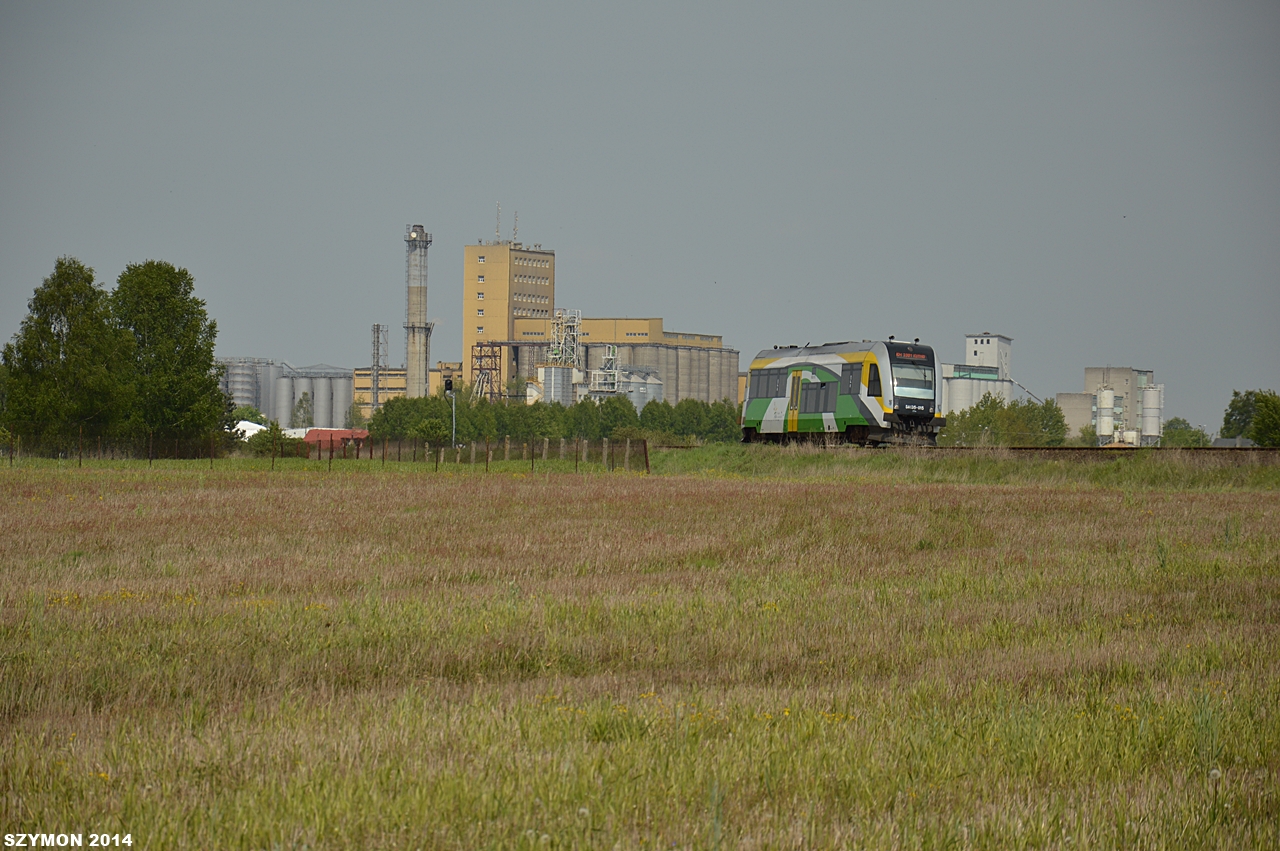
<point>626,457</point>
<point>645,443</point>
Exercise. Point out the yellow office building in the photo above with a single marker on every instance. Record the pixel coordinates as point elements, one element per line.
<point>508,301</point>
<point>503,282</point>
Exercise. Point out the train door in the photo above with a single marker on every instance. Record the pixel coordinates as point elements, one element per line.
<point>793,402</point>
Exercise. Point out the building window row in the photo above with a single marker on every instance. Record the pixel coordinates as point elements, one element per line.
<point>537,299</point>
<point>529,261</point>
<point>532,279</point>
<point>637,333</point>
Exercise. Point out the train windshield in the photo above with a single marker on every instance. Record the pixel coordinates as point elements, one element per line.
<point>912,381</point>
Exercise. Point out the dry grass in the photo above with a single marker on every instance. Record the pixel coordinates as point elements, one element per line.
<point>896,652</point>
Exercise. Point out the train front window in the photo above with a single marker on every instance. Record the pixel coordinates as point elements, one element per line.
<point>912,381</point>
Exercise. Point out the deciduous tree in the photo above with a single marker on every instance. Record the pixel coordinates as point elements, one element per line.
<point>174,369</point>
<point>1180,433</point>
<point>69,366</point>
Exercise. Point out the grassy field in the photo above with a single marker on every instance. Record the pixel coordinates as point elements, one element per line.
<point>751,648</point>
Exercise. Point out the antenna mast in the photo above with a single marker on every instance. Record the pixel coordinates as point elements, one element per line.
<point>497,226</point>
<point>515,231</point>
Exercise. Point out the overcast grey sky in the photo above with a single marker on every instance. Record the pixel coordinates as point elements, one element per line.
<point>1099,181</point>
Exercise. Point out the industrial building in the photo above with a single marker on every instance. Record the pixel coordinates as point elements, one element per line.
<point>276,387</point>
<point>986,369</point>
<point>393,384</point>
<point>1120,403</point>
<point>508,306</point>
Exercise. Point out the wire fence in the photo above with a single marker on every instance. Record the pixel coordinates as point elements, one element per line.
<point>626,455</point>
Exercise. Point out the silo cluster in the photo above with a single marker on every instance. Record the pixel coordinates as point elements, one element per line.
<point>276,388</point>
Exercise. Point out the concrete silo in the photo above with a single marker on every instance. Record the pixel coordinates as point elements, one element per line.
<point>282,401</point>
<point>342,393</point>
<point>322,402</point>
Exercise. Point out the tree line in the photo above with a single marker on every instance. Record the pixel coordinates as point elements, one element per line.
<point>132,365</point>
<point>431,418</point>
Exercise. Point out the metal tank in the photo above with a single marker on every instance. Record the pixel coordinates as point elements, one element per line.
<point>240,381</point>
<point>282,400</point>
<point>342,392</point>
<point>268,374</point>
<point>302,384</point>
<point>1152,405</point>
<point>322,402</point>
<point>1106,415</point>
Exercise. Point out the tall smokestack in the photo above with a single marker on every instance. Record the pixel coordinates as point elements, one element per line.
<point>417,330</point>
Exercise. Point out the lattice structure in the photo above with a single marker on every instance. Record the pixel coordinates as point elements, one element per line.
<point>486,371</point>
<point>565,349</point>
<point>604,381</point>
<point>377,364</point>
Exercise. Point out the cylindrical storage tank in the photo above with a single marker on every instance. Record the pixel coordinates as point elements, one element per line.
<point>265,387</point>
<point>1106,414</point>
<point>302,385</point>
<point>322,402</point>
<point>342,391</point>
<point>282,400</point>
<point>271,373</point>
<point>1150,412</point>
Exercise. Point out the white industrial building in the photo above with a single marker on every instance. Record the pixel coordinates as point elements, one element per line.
<point>985,370</point>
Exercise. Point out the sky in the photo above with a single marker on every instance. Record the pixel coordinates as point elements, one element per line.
<point>1098,181</point>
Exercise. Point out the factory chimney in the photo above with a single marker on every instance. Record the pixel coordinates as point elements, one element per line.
<point>417,330</point>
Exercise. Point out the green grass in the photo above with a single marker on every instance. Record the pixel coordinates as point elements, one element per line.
<point>754,649</point>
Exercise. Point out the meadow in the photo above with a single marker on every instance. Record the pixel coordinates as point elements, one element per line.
<point>751,647</point>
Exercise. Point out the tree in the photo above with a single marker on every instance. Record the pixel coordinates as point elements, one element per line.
<point>1238,417</point>
<point>250,413</point>
<point>723,424</point>
<point>1180,433</point>
<point>174,370</point>
<point>432,430</point>
<point>994,422</point>
<point>303,414</point>
<point>658,416</point>
<point>582,419</point>
<point>1088,436</point>
<point>617,412</point>
<point>1265,430</point>
<point>69,366</point>
<point>691,417</point>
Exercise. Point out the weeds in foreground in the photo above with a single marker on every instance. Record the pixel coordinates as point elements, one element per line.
<point>868,656</point>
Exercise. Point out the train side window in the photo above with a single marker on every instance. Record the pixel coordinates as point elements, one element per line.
<point>846,379</point>
<point>873,380</point>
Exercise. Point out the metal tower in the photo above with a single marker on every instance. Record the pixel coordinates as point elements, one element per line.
<point>566,325</point>
<point>417,330</point>
<point>379,364</point>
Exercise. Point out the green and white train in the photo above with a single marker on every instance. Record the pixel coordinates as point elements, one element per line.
<point>868,392</point>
